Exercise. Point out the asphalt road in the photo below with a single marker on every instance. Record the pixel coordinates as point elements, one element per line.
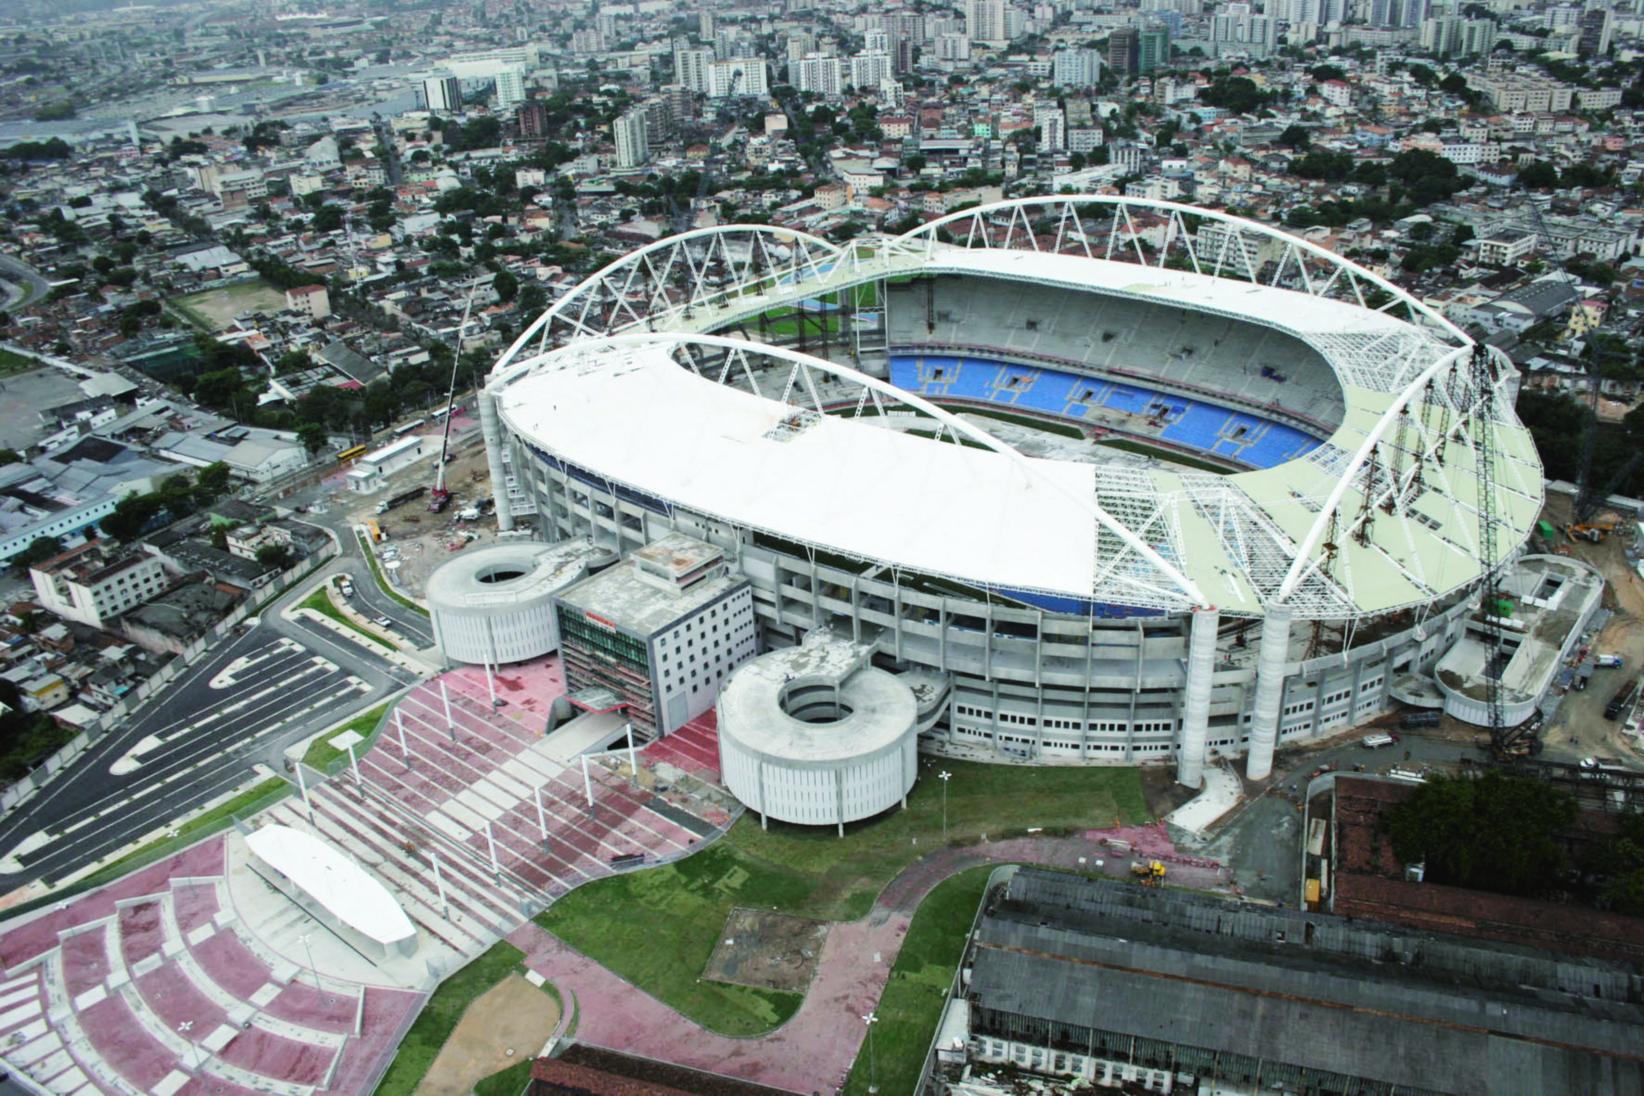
<point>287,679</point>
<point>21,274</point>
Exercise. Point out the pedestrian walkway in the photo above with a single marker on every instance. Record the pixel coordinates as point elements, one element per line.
<point>153,985</point>
<point>815,1049</point>
<point>511,819</point>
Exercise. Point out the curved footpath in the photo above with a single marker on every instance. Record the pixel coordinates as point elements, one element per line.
<point>815,1049</point>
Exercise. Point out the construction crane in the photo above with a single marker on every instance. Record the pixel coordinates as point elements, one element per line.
<point>440,497</point>
<point>1505,741</point>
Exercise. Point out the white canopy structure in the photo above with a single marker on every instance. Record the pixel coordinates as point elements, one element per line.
<point>349,899</point>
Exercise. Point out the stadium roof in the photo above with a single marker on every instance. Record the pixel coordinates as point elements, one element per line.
<point>1382,515</point>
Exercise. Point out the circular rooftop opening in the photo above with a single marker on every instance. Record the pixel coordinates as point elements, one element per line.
<point>814,702</point>
<point>500,573</point>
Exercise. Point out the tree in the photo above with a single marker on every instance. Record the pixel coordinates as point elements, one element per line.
<point>1295,137</point>
<point>39,550</point>
<point>1539,175</point>
<point>1496,833</point>
<point>131,517</point>
<point>313,436</point>
<point>505,285</point>
<point>275,557</point>
<point>211,483</point>
<point>1454,84</point>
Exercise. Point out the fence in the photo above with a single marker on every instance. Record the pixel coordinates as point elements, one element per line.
<point>129,704</point>
<point>927,1072</point>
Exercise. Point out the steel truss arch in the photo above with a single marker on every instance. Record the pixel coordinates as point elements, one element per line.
<point>635,287</point>
<point>1399,373</point>
<point>1232,258</point>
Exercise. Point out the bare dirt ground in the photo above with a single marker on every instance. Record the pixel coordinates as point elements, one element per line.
<point>1579,728</point>
<point>767,950</point>
<point>422,541</point>
<point>218,307</point>
<point>511,1020</point>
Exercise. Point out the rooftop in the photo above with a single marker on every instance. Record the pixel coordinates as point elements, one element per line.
<point>1422,1011</point>
<point>638,603</point>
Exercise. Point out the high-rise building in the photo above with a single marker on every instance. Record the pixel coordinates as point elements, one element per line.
<point>705,25</point>
<point>1153,48</point>
<point>632,146</point>
<point>532,119</point>
<point>1597,24</point>
<point>738,77</point>
<point>1076,68</point>
<point>952,47</point>
<point>988,22</point>
<point>1121,50</point>
<point>818,73</point>
<point>691,67</point>
<point>510,88</point>
<point>442,94</point>
<point>1051,123</point>
<point>869,69</point>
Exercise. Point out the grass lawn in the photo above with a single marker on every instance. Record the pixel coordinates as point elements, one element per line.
<point>507,1082</point>
<point>322,754</point>
<point>1165,455</point>
<point>382,581</point>
<point>12,363</point>
<point>657,928</point>
<point>440,1014</point>
<point>320,601</point>
<point>911,1006</point>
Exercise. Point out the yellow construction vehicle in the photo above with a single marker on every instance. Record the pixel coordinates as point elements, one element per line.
<point>1150,874</point>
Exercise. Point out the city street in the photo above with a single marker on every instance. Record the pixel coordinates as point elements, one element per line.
<point>263,689</point>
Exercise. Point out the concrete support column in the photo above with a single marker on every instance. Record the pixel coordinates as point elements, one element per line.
<point>1271,659</point>
<point>1201,663</point>
<point>491,431</point>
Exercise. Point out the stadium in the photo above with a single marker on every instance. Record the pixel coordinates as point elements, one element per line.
<point>1100,479</point>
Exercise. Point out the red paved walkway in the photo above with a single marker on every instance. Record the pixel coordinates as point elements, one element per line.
<point>814,1050</point>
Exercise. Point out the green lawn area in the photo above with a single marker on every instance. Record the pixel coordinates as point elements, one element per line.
<point>1164,454</point>
<point>320,601</point>
<point>440,1014</point>
<point>658,927</point>
<point>322,754</point>
<point>507,1082</point>
<point>382,581</point>
<point>12,362</point>
<point>911,1006</point>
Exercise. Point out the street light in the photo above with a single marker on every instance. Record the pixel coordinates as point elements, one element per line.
<point>305,939</point>
<point>183,1029</point>
<point>873,1066</point>
<point>944,776</point>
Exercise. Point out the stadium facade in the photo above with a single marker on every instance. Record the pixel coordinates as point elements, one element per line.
<point>1108,479</point>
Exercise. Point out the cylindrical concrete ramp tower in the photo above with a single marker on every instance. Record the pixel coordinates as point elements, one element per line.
<point>1271,660</point>
<point>1201,664</point>
<point>491,431</point>
<point>813,735</point>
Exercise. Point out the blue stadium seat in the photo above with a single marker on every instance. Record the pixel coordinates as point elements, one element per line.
<point>1189,424</point>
